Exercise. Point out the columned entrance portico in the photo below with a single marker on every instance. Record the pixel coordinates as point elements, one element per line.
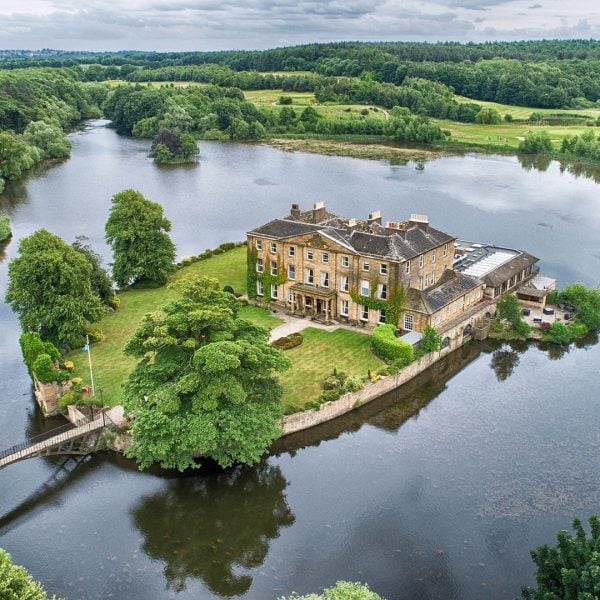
<point>317,302</point>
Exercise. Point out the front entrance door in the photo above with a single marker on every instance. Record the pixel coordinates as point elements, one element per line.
<point>320,306</point>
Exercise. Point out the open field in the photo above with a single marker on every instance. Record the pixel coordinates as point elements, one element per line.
<point>179,84</point>
<point>317,356</point>
<point>504,134</point>
<point>300,100</point>
<point>523,112</point>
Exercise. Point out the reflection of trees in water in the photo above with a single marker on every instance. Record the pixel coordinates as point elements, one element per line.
<point>206,526</point>
<point>539,162</point>
<point>504,361</point>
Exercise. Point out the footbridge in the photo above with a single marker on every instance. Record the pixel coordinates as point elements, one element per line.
<point>65,440</point>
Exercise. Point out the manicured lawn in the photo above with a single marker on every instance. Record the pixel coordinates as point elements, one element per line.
<point>321,352</point>
<point>260,316</point>
<point>111,366</point>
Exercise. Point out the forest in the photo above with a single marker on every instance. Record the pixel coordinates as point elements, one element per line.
<point>384,92</point>
<point>546,73</point>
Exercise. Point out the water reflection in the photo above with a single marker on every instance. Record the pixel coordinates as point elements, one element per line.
<point>504,362</point>
<point>210,527</point>
<point>541,163</point>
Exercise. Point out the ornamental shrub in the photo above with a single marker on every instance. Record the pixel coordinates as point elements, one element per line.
<point>386,344</point>
<point>43,368</point>
<point>353,384</point>
<point>114,301</point>
<point>96,334</point>
<point>559,333</point>
<point>69,366</point>
<point>289,341</point>
<point>67,399</point>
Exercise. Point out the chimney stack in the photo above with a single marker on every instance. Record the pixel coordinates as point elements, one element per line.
<point>318,212</point>
<point>295,212</point>
<point>374,217</point>
<point>421,221</point>
<point>352,222</point>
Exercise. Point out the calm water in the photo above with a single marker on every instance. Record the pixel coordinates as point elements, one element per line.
<point>435,492</point>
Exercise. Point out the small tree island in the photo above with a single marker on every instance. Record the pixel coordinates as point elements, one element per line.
<point>174,148</point>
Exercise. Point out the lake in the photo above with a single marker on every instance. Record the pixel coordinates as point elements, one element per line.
<point>436,491</point>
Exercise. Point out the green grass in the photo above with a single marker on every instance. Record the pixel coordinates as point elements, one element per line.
<point>523,112</point>
<point>156,84</point>
<point>506,135</point>
<point>300,100</point>
<point>317,356</point>
<point>111,366</point>
<point>260,316</point>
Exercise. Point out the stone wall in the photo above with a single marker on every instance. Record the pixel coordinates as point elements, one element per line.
<point>330,410</point>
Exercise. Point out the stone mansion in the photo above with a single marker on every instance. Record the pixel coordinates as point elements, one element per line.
<point>319,264</point>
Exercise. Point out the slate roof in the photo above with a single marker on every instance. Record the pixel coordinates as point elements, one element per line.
<point>375,240</point>
<point>505,271</point>
<point>451,286</point>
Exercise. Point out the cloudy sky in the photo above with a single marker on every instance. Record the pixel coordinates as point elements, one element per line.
<point>227,24</point>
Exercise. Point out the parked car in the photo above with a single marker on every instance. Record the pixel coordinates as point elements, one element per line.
<point>548,311</point>
<point>537,319</point>
<point>526,312</point>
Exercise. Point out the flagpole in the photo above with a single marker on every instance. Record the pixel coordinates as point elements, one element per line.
<point>89,353</point>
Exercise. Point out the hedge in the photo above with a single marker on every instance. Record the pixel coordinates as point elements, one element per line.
<point>386,344</point>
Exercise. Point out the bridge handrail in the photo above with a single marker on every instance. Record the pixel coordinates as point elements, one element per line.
<point>42,437</point>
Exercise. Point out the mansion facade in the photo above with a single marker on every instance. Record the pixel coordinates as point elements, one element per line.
<point>322,265</point>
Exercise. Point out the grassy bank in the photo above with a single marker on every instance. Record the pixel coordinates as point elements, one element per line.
<point>111,366</point>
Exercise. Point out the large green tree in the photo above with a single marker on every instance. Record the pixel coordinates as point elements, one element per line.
<point>342,590</point>
<point>49,138</point>
<point>16,583</point>
<point>137,231</point>
<point>100,280</point>
<point>50,289</point>
<point>205,385</point>
<point>571,569</point>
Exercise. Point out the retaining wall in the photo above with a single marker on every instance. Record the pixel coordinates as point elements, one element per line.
<point>330,410</point>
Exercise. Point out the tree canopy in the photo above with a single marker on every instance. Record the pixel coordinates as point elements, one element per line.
<point>137,232</point>
<point>342,590</point>
<point>571,569</point>
<point>16,583</point>
<point>205,385</point>
<point>50,289</point>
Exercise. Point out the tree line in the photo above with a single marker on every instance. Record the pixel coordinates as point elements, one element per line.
<point>37,108</point>
<point>547,73</point>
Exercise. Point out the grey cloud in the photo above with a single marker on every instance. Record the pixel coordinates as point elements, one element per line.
<point>225,24</point>
<point>534,6</point>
